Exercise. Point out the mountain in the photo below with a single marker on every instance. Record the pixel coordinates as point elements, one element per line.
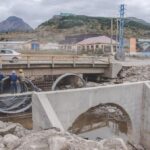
<point>14,24</point>
<point>138,20</point>
<point>60,26</point>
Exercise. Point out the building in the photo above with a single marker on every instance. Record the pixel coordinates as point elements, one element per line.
<point>20,45</point>
<point>35,45</point>
<point>70,42</point>
<point>139,46</point>
<point>99,45</point>
<point>49,46</point>
<point>132,45</point>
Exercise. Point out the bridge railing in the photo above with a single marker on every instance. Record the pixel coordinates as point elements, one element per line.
<point>66,58</point>
<point>75,59</point>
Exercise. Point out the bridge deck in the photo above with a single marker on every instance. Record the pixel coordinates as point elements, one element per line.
<point>31,61</point>
<point>45,65</point>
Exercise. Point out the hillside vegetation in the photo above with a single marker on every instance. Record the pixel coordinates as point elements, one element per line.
<point>60,26</point>
<point>56,28</point>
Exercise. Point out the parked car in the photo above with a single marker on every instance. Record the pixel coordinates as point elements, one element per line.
<point>9,55</point>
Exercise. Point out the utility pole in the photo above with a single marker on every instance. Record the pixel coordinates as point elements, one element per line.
<point>117,40</point>
<point>120,55</point>
<point>111,35</point>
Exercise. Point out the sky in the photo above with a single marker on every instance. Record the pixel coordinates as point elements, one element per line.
<point>34,12</point>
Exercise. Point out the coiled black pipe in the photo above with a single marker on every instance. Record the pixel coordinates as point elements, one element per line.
<point>16,103</point>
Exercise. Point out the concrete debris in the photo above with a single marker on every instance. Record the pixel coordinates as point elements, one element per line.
<point>54,139</point>
<point>127,74</point>
<point>8,129</point>
<point>20,131</point>
<point>57,142</point>
<point>117,144</point>
<point>2,125</point>
<point>12,128</point>
<point>134,74</point>
<point>11,141</point>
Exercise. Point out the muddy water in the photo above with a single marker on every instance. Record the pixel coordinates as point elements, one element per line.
<point>25,119</point>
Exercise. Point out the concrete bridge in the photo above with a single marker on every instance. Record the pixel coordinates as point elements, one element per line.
<point>63,108</point>
<point>40,65</point>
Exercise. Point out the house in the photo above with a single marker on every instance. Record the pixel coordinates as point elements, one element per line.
<point>99,44</point>
<point>70,42</point>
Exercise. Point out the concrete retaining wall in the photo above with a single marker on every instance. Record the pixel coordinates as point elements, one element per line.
<point>145,126</point>
<point>68,105</point>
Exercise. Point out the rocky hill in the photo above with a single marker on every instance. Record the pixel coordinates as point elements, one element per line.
<point>60,26</point>
<point>14,24</point>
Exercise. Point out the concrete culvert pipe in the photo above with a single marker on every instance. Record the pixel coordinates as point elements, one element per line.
<point>64,76</point>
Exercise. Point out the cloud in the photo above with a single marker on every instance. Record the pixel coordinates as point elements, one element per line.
<point>37,11</point>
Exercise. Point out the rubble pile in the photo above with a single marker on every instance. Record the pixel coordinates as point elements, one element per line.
<point>15,137</point>
<point>129,74</point>
<point>13,128</point>
<point>134,74</point>
<point>10,135</point>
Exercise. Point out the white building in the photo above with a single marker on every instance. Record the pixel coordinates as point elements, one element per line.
<point>20,45</point>
<point>49,46</point>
